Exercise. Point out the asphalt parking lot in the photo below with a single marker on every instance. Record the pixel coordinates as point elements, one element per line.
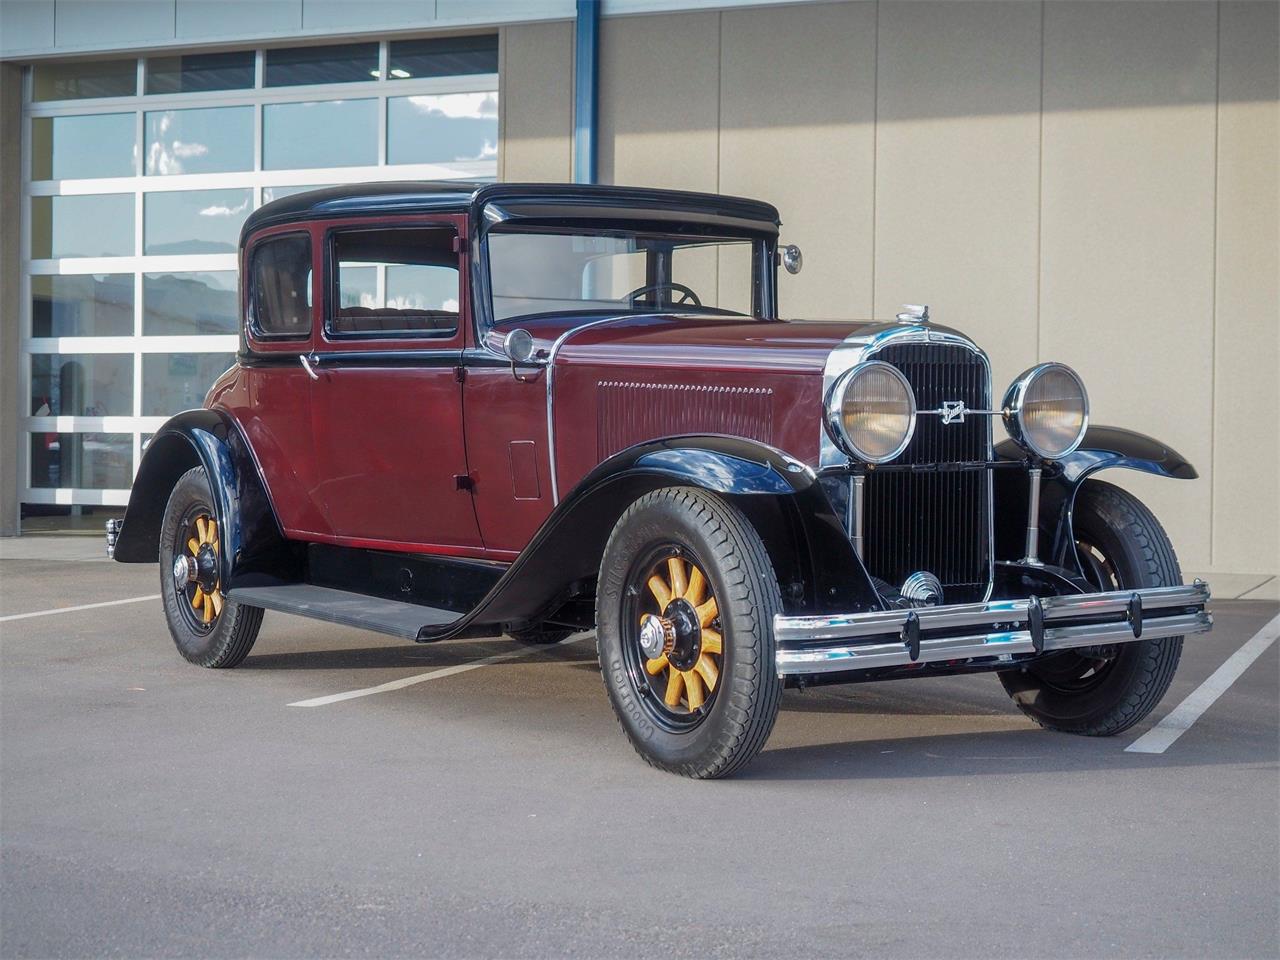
<point>148,807</point>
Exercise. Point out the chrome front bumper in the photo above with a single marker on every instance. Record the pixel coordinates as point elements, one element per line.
<point>1000,628</point>
<point>114,527</point>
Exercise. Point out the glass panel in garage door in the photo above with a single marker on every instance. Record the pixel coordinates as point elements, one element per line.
<point>194,221</point>
<point>179,381</point>
<point>78,148</point>
<point>189,304</point>
<point>320,133</point>
<point>200,72</point>
<point>89,305</point>
<point>208,140</point>
<point>451,128</point>
<point>85,461</point>
<point>81,385</point>
<point>82,226</point>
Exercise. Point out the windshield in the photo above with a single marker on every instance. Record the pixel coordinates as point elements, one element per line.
<point>560,272</point>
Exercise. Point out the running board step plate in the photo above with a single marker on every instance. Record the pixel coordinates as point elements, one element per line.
<point>349,609</point>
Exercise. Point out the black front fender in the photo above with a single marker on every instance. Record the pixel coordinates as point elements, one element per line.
<point>815,564</point>
<point>254,551</point>
<point>1103,448</point>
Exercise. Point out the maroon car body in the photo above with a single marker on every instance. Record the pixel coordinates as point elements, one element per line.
<point>450,399</point>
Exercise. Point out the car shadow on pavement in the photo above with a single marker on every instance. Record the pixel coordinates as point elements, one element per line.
<point>977,753</point>
<point>899,700</point>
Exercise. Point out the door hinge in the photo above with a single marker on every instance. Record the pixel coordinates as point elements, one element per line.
<point>464,481</point>
<point>459,244</point>
<point>460,374</point>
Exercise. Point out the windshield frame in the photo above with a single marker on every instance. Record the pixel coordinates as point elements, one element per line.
<point>763,245</point>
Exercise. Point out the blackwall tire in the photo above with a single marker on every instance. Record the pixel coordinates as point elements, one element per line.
<point>229,636</point>
<point>1128,548</point>
<point>732,718</point>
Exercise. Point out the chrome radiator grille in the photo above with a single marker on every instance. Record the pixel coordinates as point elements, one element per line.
<point>936,521</point>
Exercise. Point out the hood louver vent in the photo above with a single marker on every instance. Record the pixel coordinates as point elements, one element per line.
<point>629,413</point>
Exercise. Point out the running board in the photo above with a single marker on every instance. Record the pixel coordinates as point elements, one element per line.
<point>391,617</point>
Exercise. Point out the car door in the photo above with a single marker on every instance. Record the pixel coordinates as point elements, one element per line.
<point>271,398</point>
<point>387,399</point>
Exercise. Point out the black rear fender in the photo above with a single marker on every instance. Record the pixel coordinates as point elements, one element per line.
<point>254,552</point>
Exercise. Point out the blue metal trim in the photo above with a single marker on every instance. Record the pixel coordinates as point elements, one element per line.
<point>585,90</point>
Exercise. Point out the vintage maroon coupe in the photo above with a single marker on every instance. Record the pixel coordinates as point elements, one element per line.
<point>464,410</point>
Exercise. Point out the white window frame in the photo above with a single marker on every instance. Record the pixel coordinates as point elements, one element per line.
<point>382,89</point>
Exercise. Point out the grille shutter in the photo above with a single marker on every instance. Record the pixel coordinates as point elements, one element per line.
<point>938,522</point>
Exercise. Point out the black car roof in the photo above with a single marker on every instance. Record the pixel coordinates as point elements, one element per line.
<point>548,199</point>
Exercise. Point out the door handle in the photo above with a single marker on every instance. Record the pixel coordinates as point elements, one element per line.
<point>306,365</point>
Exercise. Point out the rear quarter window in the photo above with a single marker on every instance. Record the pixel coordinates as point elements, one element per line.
<point>280,272</point>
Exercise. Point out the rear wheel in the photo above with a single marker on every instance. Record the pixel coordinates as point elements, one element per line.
<point>1100,691</point>
<point>684,614</point>
<point>208,629</point>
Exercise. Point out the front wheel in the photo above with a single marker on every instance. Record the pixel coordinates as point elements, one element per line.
<point>684,614</point>
<point>1100,691</point>
<point>207,628</point>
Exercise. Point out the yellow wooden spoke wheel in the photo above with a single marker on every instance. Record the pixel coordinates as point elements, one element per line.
<point>679,634</point>
<point>195,569</point>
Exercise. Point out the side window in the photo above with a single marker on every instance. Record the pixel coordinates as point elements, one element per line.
<point>394,282</point>
<point>281,292</point>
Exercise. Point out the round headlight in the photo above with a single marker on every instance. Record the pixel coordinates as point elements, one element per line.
<point>1046,410</point>
<point>871,412</point>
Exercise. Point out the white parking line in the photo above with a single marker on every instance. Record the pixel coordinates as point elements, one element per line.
<point>82,606</point>
<point>1179,720</point>
<point>433,675</point>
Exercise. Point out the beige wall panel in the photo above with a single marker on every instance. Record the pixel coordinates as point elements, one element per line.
<point>1246,501</point>
<point>659,101</point>
<point>537,102</point>
<point>958,171</point>
<point>797,129</point>
<point>1127,231</point>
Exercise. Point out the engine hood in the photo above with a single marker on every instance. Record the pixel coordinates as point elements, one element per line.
<point>616,381</point>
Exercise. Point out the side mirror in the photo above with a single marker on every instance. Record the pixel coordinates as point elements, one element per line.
<point>790,257</point>
<point>518,346</point>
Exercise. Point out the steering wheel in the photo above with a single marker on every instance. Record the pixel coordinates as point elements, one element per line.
<point>686,293</point>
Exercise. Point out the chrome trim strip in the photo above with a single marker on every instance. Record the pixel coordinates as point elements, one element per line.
<point>551,424</point>
<point>1000,624</point>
